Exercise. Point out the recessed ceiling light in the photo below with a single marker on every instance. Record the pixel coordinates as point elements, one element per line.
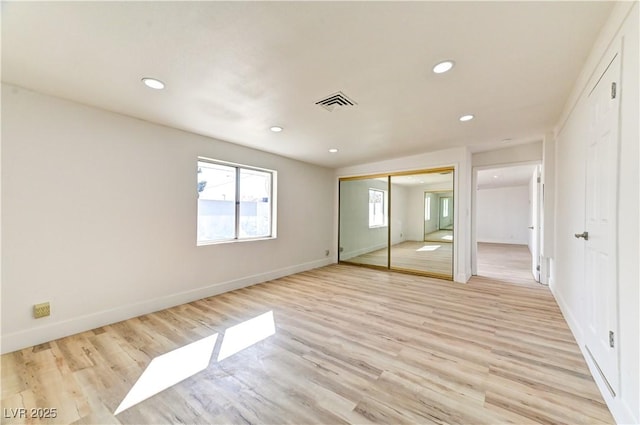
<point>276,129</point>
<point>333,150</point>
<point>153,83</point>
<point>467,117</point>
<point>444,66</point>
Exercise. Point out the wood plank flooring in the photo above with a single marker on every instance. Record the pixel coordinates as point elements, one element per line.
<point>505,263</point>
<point>351,345</point>
<point>439,236</point>
<point>420,256</point>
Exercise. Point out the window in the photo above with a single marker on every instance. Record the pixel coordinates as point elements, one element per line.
<point>445,207</point>
<point>427,208</point>
<point>235,202</point>
<point>377,208</point>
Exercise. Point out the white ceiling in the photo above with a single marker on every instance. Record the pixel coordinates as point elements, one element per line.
<point>234,69</point>
<point>518,175</point>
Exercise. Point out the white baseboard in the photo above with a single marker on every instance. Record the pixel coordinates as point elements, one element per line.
<point>621,411</point>
<point>361,251</point>
<point>503,242</point>
<point>462,278</point>
<point>41,334</point>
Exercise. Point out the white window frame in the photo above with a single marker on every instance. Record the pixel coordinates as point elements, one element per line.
<point>385,208</point>
<point>273,197</point>
<point>427,208</point>
<point>445,208</point>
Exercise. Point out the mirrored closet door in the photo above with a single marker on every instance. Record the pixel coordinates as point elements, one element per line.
<point>364,221</point>
<point>403,222</point>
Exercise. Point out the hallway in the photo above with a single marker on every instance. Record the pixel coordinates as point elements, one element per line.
<point>506,263</point>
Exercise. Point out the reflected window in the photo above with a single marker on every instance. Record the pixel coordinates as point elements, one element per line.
<point>377,208</point>
<point>445,207</point>
<point>427,208</point>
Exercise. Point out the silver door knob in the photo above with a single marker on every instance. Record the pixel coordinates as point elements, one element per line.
<point>584,235</point>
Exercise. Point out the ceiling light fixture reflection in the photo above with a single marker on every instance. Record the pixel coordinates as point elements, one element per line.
<point>276,129</point>
<point>153,83</point>
<point>444,66</point>
<point>333,150</point>
<point>467,117</point>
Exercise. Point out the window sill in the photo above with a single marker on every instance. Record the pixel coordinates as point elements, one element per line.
<point>228,241</point>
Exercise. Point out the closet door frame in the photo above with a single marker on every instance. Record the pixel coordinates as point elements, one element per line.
<point>388,176</point>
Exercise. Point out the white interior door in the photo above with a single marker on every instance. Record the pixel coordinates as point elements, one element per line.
<point>600,216</point>
<point>535,224</point>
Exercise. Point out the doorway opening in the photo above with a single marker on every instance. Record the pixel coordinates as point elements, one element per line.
<point>507,223</point>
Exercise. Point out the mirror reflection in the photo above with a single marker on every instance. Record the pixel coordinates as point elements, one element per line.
<point>403,222</point>
<point>364,221</point>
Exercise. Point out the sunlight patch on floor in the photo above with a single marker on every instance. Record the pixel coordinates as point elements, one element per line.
<point>168,369</point>
<point>175,366</point>
<point>428,248</point>
<point>247,333</point>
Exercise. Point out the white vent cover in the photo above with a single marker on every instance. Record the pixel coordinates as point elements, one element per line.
<point>336,100</point>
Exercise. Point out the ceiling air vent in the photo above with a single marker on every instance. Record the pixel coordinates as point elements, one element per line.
<point>336,100</point>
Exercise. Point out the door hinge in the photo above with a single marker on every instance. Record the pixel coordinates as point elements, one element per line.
<point>613,90</point>
<point>538,268</point>
<point>538,179</point>
<point>611,342</point>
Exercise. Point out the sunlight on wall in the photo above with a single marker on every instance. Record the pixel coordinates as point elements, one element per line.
<point>247,333</point>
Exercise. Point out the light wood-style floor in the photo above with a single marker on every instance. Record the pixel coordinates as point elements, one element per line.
<point>506,263</point>
<point>439,236</point>
<point>428,257</point>
<point>351,345</point>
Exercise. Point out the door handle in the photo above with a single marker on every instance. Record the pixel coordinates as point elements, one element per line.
<point>531,227</point>
<point>584,235</point>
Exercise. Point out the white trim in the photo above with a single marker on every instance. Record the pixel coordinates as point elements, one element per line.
<point>474,206</point>
<point>618,407</point>
<point>501,242</point>
<point>41,334</point>
<point>348,255</point>
<point>603,44</point>
<point>462,278</point>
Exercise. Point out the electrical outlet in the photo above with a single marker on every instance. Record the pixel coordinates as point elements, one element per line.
<point>41,310</point>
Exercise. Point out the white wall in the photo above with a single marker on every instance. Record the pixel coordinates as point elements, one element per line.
<point>416,225</point>
<point>430,225</point>
<point>399,213</point>
<point>520,153</point>
<point>567,280</point>
<point>99,218</point>
<point>503,215</point>
<point>460,159</point>
<point>356,238</point>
